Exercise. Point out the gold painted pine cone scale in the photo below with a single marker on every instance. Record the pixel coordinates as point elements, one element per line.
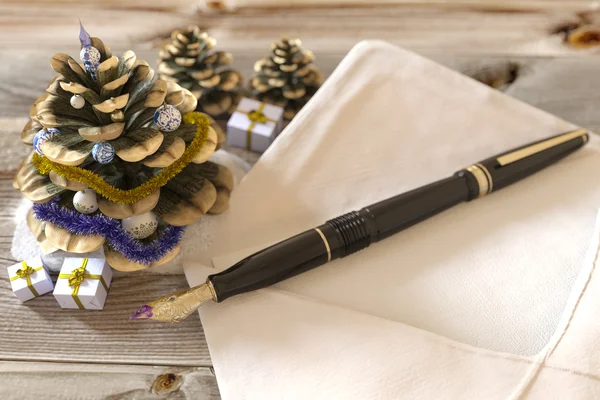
<point>168,156</point>
<point>28,133</point>
<point>209,147</point>
<point>141,150</point>
<point>34,186</point>
<point>120,263</point>
<point>191,209</point>
<point>64,240</point>
<point>221,203</point>
<point>37,229</point>
<point>64,183</point>
<point>65,155</point>
<point>121,211</point>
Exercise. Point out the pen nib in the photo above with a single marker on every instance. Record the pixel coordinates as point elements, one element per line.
<point>175,307</point>
<point>144,312</point>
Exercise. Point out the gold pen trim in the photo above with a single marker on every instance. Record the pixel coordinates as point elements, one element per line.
<point>212,290</point>
<point>488,176</point>
<point>481,178</point>
<point>326,244</point>
<point>541,146</point>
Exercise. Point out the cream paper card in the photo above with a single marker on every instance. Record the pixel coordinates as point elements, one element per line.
<point>495,273</point>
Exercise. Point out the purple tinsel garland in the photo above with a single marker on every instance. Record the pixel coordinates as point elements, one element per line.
<point>111,230</point>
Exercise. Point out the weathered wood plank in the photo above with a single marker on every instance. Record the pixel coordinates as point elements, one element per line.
<point>479,38</point>
<point>12,151</point>
<point>489,5</point>
<point>107,336</point>
<point>456,30</point>
<point>484,5</point>
<point>564,86</point>
<point>24,381</point>
<point>41,330</point>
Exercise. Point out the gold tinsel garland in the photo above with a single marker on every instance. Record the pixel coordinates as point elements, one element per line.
<point>116,195</point>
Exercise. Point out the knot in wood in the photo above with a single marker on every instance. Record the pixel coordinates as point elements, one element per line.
<point>167,383</point>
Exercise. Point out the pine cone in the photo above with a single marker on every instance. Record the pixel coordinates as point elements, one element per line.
<point>113,104</point>
<point>189,60</point>
<point>287,77</point>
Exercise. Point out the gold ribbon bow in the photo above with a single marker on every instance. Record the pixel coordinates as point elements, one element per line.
<point>255,117</point>
<point>76,278</point>
<point>24,273</point>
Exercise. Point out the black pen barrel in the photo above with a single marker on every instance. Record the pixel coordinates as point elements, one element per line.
<point>351,232</point>
<point>339,237</point>
<point>395,214</point>
<point>509,173</point>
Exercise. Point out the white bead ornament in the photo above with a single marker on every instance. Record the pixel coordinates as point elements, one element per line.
<point>85,201</point>
<point>77,102</point>
<point>140,226</point>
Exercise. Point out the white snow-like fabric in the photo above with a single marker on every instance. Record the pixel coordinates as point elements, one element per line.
<point>493,299</point>
<point>197,237</point>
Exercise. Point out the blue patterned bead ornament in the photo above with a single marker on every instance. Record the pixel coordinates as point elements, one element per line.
<point>167,118</point>
<point>42,136</point>
<point>103,152</point>
<point>90,56</point>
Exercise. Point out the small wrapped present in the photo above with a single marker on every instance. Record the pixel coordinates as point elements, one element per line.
<point>83,283</point>
<point>254,125</point>
<point>29,279</point>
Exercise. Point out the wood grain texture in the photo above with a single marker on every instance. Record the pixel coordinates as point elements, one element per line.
<point>566,86</point>
<point>40,380</point>
<point>71,354</point>
<point>461,29</point>
<point>481,5</point>
<point>41,330</point>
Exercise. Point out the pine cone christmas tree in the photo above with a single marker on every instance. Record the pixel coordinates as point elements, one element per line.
<point>190,61</point>
<point>287,77</point>
<point>110,144</point>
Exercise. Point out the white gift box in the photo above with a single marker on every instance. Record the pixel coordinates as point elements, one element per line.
<point>29,279</point>
<point>55,260</point>
<point>254,125</point>
<point>83,283</point>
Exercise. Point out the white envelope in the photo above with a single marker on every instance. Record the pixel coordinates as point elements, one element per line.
<point>472,303</point>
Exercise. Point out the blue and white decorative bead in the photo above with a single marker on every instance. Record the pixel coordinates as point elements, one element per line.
<point>42,136</point>
<point>103,152</point>
<point>90,56</point>
<point>167,118</point>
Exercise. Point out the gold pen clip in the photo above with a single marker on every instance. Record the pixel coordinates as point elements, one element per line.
<point>541,146</point>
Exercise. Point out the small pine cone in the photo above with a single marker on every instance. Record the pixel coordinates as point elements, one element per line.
<point>287,77</point>
<point>190,61</point>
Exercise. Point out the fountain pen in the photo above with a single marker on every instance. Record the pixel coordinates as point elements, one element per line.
<point>356,230</point>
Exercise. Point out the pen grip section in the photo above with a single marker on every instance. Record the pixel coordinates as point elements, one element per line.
<point>274,264</point>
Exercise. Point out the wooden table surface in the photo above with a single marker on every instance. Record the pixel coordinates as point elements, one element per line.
<point>46,352</point>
